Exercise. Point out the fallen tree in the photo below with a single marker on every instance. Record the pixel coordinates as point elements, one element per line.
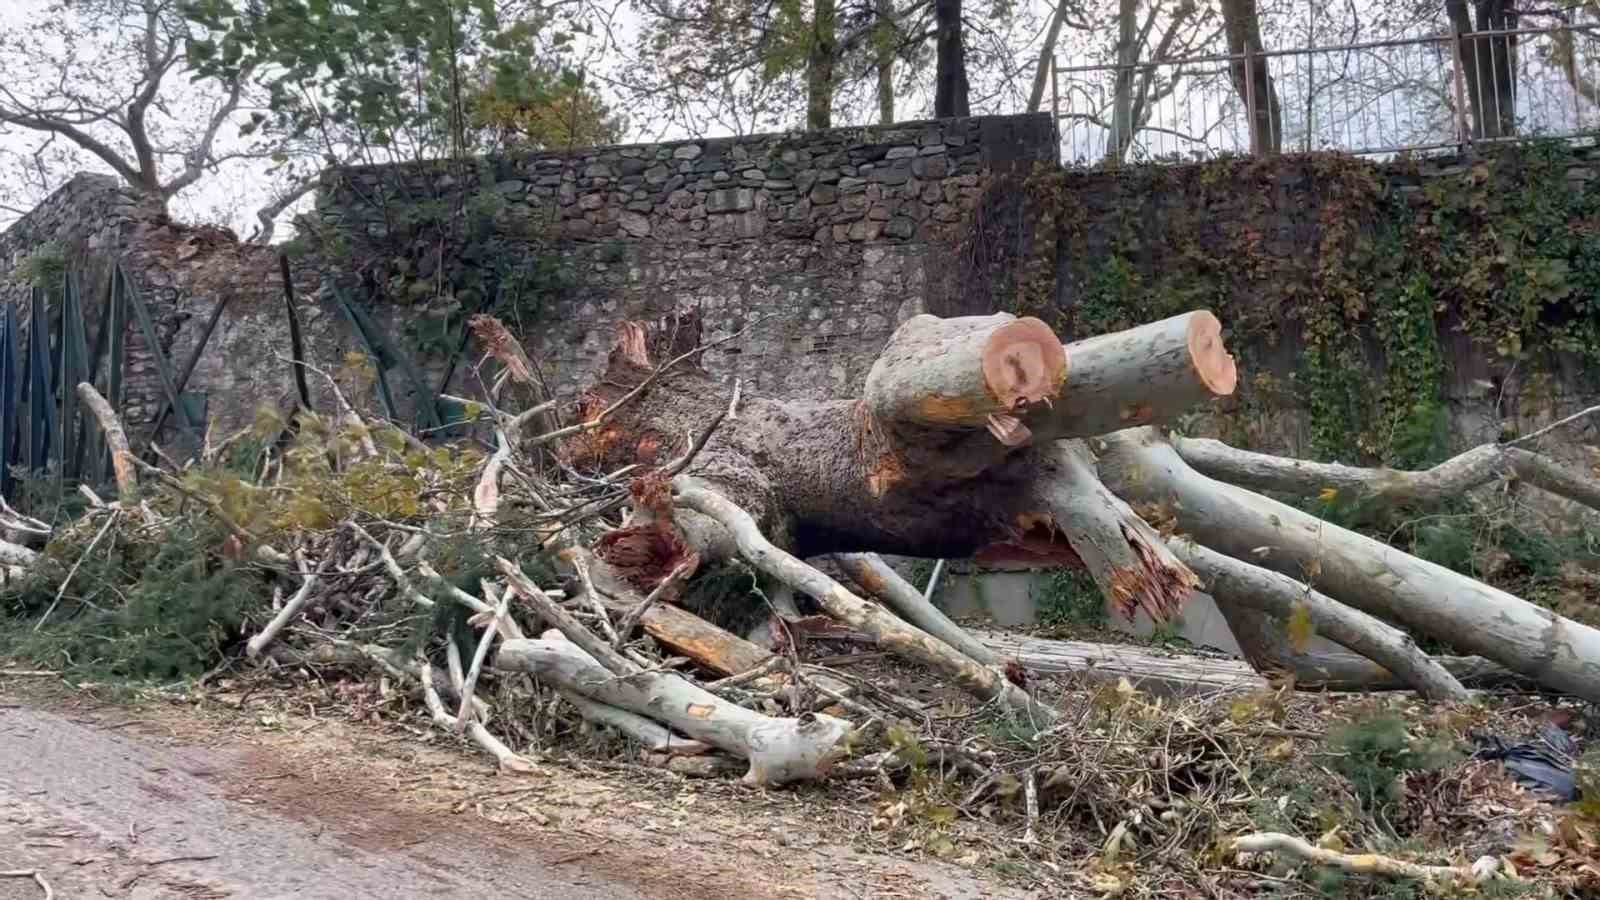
<point>966,443</point>
<point>978,437</point>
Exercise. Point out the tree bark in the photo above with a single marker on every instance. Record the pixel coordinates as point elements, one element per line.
<point>874,576</point>
<point>1433,487</point>
<point>820,61</point>
<point>1488,64</point>
<point>1353,569</point>
<point>885,36</point>
<point>1252,80</point>
<point>779,750</point>
<point>1237,584</point>
<point>1041,70</point>
<point>950,70</point>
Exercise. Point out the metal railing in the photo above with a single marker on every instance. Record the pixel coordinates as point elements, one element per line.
<point>1375,98</point>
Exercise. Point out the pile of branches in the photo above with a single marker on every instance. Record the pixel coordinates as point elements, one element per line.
<point>545,566</point>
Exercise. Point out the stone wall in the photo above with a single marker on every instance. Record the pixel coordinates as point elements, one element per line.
<point>817,243</point>
<point>182,273</point>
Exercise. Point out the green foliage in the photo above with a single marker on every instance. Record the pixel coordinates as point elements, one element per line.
<point>390,71</point>
<point>1504,252</point>
<point>1587,775</point>
<point>1068,598</point>
<point>1372,754</point>
<point>135,610</point>
<point>44,268</point>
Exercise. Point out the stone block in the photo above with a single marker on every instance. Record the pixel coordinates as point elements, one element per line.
<point>730,200</point>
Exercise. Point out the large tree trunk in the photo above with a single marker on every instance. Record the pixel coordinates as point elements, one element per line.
<point>1252,80</point>
<point>1488,64</point>
<point>969,442</point>
<point>950,70</point>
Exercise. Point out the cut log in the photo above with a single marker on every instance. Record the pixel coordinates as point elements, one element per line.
<point>1356,570</point>
<point>1155,671</point>
<point>886,630</point>
<point>779,750</point>
<point>957,373</point>
<point>873,575</point>
<point>1235,583</point>
<point>1146,375</point>
<point>1441,484</point>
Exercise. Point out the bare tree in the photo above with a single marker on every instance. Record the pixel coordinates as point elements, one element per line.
<point>107,79</point>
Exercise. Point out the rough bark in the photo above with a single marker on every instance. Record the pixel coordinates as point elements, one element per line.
<point>874,576</point>
<point>1235,583</point>
<point>1488,64</point>
<point>1252,80</point>
<point>779,750</point>
<point>1356,570</point>
<point>885,36</point>
<point>1148,669</point>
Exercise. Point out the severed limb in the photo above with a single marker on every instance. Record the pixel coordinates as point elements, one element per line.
<point>1275,599</point>
<point>308,583</point>
<point>653,736</point>
<point>508,760</point>
<point>1354,569</point>
<point>1145,375</point>
<point>779,749</point>
<point>1127,558</point>
<point>122,458</point>
<point>876,577</point>
<point>887,631</point>
<point>1365,863</point>
<point>1430,487</point>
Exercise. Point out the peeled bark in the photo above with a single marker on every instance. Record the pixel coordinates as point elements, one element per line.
<point>1356,570</point>
<point>779,750</point>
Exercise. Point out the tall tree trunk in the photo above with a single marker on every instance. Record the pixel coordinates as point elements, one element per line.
<point>819,66</point>
<point>950,76</point>
<point>1252,80</point>
<point>1130,40</point>
<point>1488,64</point>
<point>1041,72</point>
<point>885,37</point>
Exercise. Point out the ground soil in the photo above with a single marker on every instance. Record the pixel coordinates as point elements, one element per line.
<point>228,798</point>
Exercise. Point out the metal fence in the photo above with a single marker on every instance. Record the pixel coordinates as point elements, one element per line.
<point>1375,98</point>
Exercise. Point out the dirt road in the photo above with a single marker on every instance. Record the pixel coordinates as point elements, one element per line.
<point>111,802</point>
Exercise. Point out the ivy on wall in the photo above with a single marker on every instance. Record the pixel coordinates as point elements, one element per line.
<point>1366,268</point>
<point>448,250</point>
